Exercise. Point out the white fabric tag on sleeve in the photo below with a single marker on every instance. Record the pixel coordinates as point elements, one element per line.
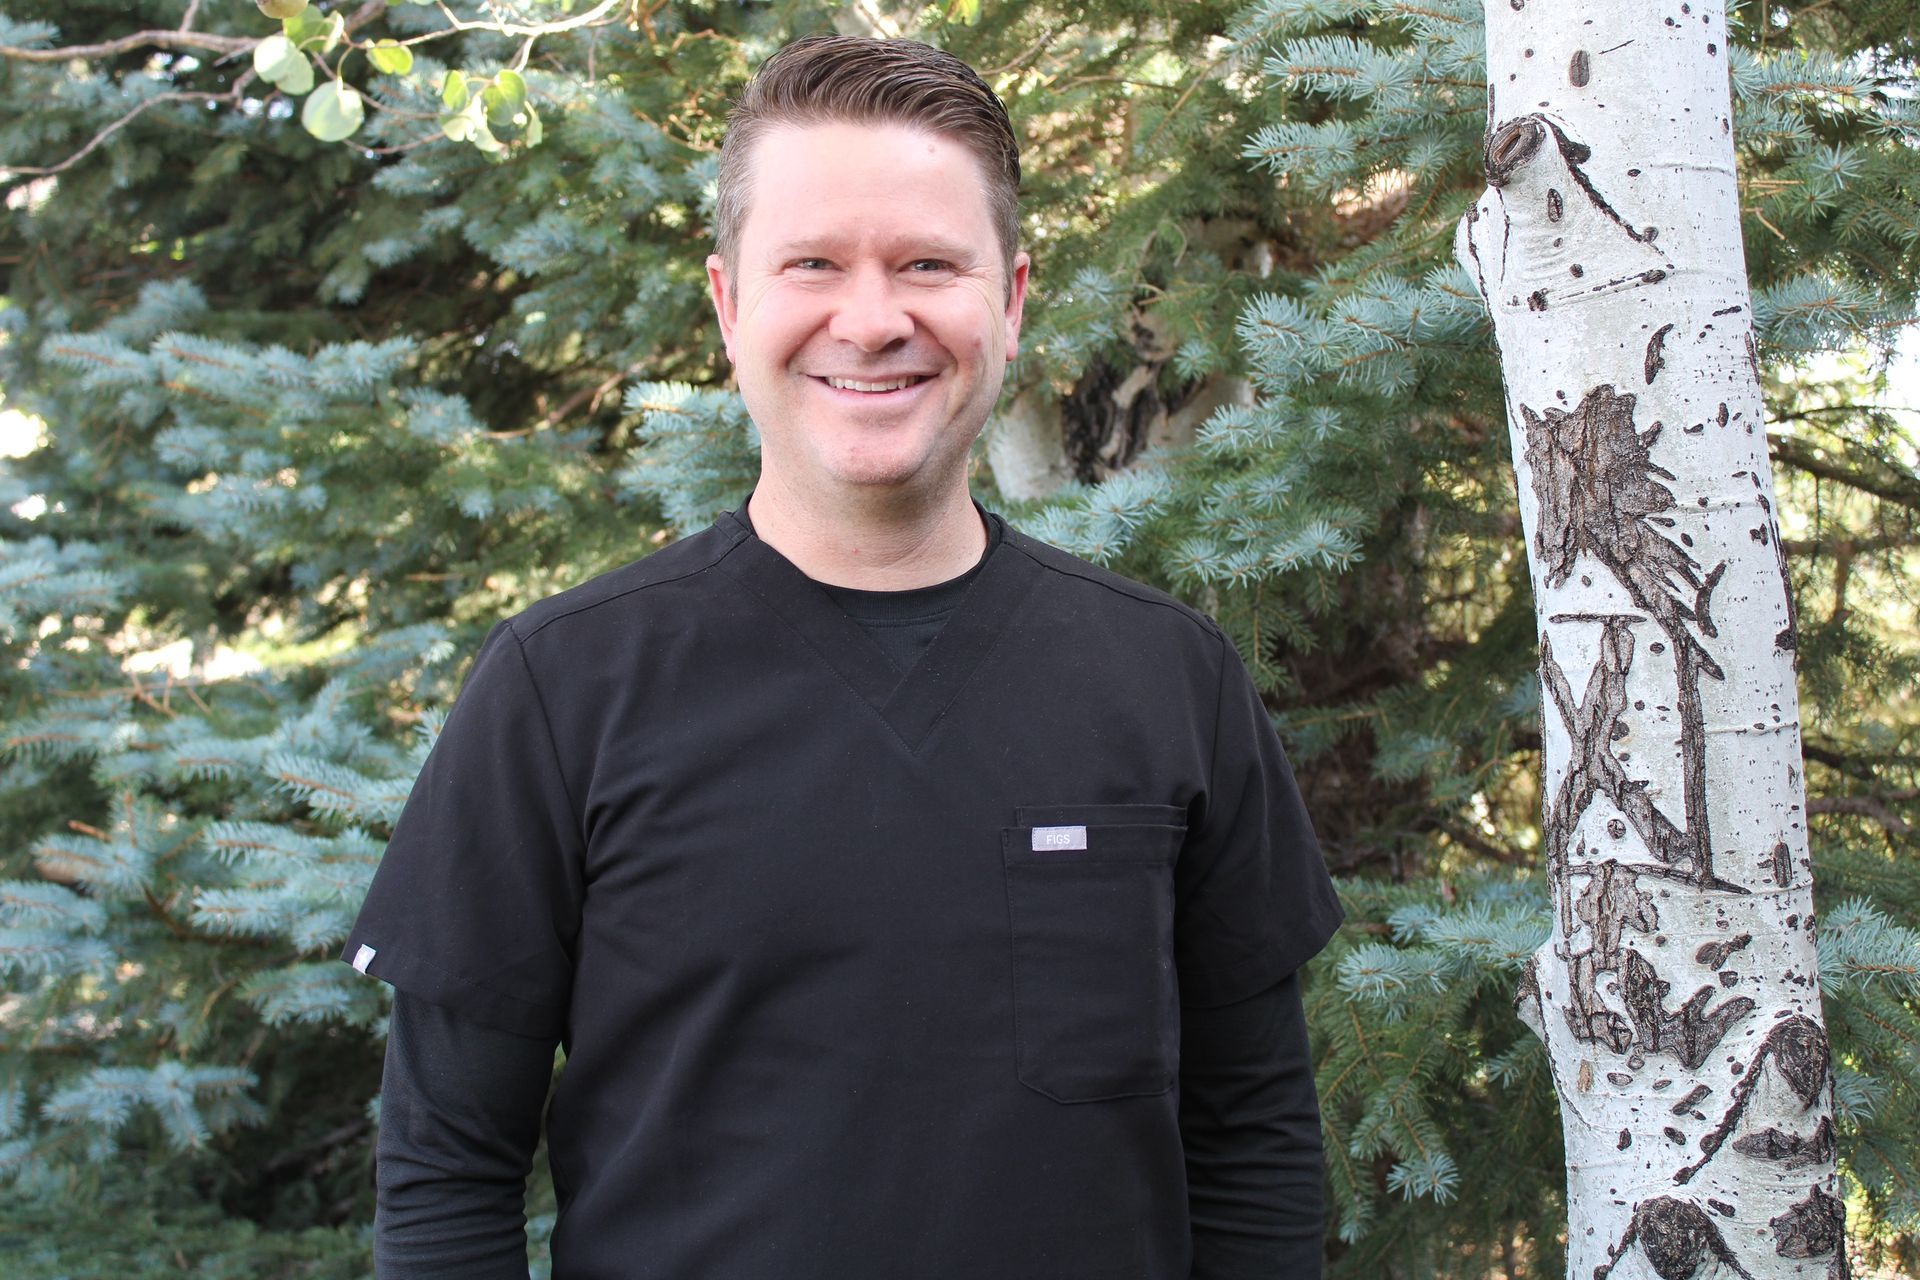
<point>1048,838</point>
<point>363,957</point>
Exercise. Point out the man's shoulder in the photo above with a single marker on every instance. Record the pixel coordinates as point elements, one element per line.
<point>617,596</point>
<point>1108,590</point>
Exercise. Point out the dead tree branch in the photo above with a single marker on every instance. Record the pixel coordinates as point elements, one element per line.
<point>1873,807</point>
<point>1893,487</point>
<point>203,41</point>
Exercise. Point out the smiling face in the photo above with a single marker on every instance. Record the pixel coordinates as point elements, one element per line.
<point>869,316</point>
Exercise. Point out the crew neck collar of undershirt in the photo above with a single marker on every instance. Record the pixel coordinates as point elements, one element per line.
<point>911,604</point>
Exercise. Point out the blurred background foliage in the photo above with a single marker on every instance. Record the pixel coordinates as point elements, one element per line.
<point>291,420</point>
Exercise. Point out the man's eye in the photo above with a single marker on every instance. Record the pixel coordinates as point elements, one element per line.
<point>924,265</point>
<point>811,264</point>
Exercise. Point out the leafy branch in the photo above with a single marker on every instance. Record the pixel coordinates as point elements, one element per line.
<point>487,111</point>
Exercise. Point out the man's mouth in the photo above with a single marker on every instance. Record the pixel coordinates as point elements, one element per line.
<point>875,387</point>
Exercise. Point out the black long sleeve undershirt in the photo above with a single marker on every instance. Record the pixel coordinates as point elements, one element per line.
<point>460,1118</point>
<point>460,1111</point>
<point>1250,1122</point>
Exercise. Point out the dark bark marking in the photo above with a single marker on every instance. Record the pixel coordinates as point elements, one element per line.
<point>1576,270</point>
<point>1781,859</point>
<point>1611,48</point>
<point>1556,207</point>
<point>1677,1237</point>
<point>1802,1057</point>
<point>1600,493</point>
<point>1479,271</point>
<point>1810,1228</point>
<point>1626,1140</point>
<point>1611,903</point>
<point>1714,954</point>
<point>1727,311</point>
<point>1596,482</point>
<point>1721,1207</point>
<point>1721,416</point>
<point>1674,1136</point>
<point>1797,1046</point>
<point>1580,70</point>
<point>1690,1032</point>
<point>1654,359</point>
<point>1510,146</point>
<point>1694,1095</point>
<point>1537,300</point>
<point>1794,1151</point>
<point>1703,599</point>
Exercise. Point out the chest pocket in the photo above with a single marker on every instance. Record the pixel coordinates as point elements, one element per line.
<point>1090,899</point>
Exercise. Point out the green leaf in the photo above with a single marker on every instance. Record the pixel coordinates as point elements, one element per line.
<point>506,97</point>
<point>315,30</point>
<point>391,57</point>
<point>967,11</point>
<point>283,66</point>
<point>469,124</point>
<point>309,24</point>
<point>535,130</point>
<point>458,126</point>
<point>279,9</point>
<point>274,56</point>
<point>454,91</point>
<point>333,112</point>
<point>298,79</point>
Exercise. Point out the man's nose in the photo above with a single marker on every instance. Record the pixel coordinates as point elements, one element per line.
<point>871,312</point>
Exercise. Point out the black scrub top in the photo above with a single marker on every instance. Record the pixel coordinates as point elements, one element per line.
<point>858,974</point>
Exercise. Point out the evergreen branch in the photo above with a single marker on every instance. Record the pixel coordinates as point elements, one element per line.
<point>93,144</point>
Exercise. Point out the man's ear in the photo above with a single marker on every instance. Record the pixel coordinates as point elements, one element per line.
<point>1016,302</point>
<point>725,305</point>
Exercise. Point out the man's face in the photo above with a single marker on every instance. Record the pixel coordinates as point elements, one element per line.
<point>869,318</point>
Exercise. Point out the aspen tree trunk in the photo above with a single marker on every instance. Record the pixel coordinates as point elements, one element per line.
<point>1678,996</point>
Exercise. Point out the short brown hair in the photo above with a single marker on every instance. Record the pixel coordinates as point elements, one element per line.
<point>862,80</point>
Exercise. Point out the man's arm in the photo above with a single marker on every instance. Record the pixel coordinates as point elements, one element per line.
<point>459,1121</point>
<point>1250,1120</point>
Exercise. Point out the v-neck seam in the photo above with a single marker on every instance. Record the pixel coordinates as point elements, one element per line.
<point>922,696</point>
<point>1000,633</point>
<point>878,710</point>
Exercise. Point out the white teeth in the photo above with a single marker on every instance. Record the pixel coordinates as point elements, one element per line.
<point>848,384</point>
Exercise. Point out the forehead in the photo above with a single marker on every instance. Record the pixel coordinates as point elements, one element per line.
<point>840,178</point>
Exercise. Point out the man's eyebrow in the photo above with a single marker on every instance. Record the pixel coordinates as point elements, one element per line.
<point>917,246</point>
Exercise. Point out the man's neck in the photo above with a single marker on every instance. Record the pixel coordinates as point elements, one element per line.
<point>885,546</point>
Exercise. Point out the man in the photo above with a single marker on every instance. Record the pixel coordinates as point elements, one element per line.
<point>912,900</point>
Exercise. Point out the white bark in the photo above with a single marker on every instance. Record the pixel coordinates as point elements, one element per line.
<point>1025,447</point>
<point>1678,997</point>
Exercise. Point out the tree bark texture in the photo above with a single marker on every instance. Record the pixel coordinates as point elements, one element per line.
<point>1678,997</point>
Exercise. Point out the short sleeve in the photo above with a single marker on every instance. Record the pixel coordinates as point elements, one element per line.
<point>476,904</point>
<point>1252,897</point>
